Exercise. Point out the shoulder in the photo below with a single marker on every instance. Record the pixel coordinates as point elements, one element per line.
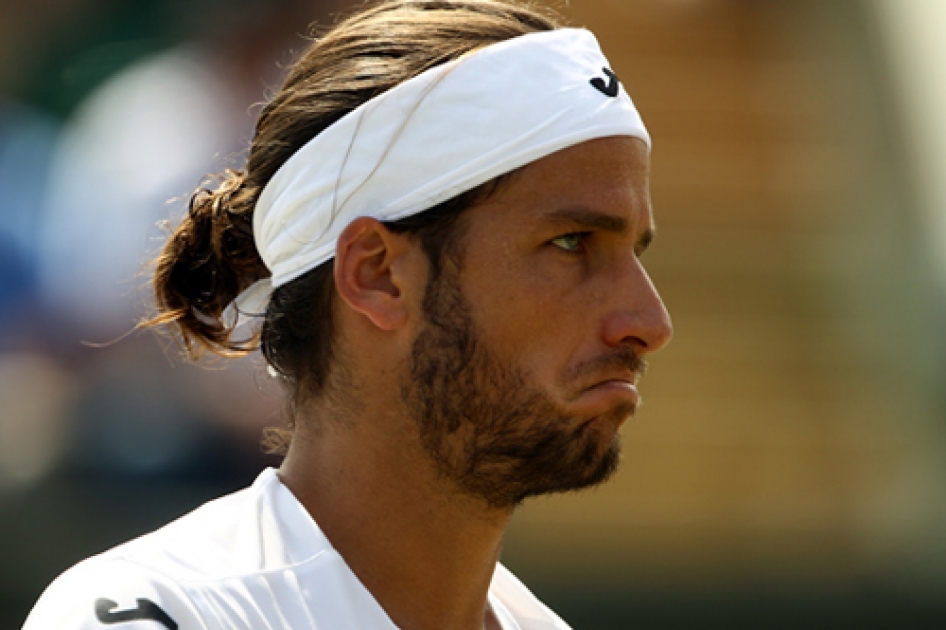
<point>102,591</point>
<point>164,577</point>
<point>238,534</point>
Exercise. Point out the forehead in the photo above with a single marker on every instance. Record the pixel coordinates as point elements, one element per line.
<point>605,176</point>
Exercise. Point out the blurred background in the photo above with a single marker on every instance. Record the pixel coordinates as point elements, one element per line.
<point>789,467</point>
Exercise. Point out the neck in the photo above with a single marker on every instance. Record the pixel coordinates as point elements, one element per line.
<point>425,552</point>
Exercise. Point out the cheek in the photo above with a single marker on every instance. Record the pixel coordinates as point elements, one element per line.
<point>537,317</point>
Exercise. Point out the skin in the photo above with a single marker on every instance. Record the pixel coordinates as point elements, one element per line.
<point>552,275</point>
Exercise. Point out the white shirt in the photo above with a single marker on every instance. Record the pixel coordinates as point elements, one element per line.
<point>255,560</point>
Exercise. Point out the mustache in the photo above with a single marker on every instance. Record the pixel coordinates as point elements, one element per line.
<point>623,358</point>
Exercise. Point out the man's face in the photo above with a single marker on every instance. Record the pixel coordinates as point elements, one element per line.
<point>527,364</point>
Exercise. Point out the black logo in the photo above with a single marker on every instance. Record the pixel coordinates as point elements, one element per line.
<point>147,609</point>
<point>611,89</point>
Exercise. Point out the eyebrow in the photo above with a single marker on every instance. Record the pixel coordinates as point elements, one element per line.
<point>591,219</point>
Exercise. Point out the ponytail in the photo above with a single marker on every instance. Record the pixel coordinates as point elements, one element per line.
<point>209,259</point>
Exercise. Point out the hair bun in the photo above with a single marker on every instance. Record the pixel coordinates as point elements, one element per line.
<point>208,260</point>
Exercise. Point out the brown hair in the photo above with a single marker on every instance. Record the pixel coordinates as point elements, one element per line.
<point>211,256</point>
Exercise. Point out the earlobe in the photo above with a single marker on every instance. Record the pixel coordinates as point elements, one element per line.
<point>366,277</point>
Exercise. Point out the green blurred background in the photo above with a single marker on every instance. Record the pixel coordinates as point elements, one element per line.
<point>789,467</point>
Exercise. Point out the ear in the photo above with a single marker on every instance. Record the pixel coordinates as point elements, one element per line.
<point>372,271</point>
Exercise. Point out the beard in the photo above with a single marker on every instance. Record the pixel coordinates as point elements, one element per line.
<point>488,430</point>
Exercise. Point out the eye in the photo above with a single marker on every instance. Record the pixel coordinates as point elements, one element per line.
<point>570,242</point>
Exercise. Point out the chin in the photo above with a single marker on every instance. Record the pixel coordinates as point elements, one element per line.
<point>593,459</point>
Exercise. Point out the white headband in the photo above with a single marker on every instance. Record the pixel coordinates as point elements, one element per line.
<point>439,134</point>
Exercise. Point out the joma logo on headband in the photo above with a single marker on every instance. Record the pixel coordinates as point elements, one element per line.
<point>611,89</point>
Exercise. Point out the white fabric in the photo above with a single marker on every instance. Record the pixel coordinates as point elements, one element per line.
<point>441,133</point>
<point>253,560</point>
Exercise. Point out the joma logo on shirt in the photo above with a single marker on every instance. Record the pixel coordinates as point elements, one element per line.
<point>147,609</point>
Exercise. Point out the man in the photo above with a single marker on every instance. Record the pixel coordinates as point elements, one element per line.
<point>449,203</point>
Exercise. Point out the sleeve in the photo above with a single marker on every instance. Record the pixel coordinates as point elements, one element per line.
<point>113,594</point>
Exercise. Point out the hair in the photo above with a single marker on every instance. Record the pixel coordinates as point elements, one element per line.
<point>211,256</point>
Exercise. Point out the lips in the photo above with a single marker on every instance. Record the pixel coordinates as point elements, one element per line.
<point>618,378</point>
<point>607,395</point>
<point>608,382</point>
<point>617,387</point>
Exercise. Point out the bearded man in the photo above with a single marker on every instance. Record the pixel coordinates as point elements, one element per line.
<point>438,232</point>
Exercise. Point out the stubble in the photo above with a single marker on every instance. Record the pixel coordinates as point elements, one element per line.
<point>486,427</point>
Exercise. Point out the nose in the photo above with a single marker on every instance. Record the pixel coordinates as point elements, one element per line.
<point>638,316</point>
